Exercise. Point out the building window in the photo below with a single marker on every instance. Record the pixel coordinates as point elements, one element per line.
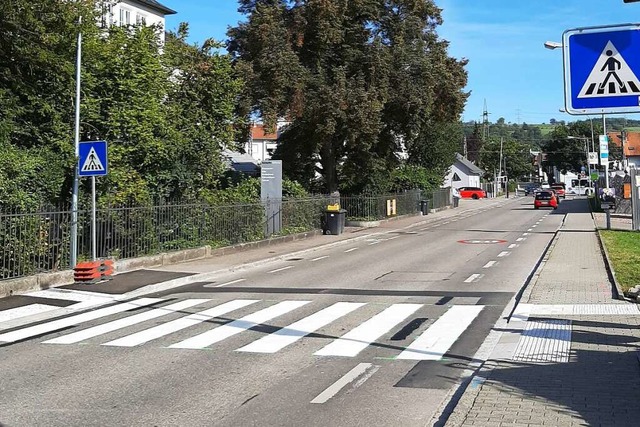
<point>456,177</point>
<point>107,15</point>
<point>141,19</point>
<point>125,17</point>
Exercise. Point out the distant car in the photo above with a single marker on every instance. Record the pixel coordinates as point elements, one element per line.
<point>531,189</point>
<point>545,199</point>
<point>545,185</point>
<point>560,190</point>
<point>472,193</point>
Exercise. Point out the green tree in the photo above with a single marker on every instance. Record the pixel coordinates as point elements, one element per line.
<point>165,110</point>
<point>515,156</point>
<point>360,82</point>
<point>567,154</point>
<point>37,83</point>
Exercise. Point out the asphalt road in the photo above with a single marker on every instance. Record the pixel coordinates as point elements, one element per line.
<point>373,332</point>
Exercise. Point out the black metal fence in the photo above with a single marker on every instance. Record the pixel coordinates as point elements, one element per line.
<point>36,242</point>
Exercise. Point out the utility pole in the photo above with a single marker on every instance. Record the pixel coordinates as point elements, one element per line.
<point>464,142</point>
<point>506,176</point>
<point>485,122</point>
<point>500,163</point>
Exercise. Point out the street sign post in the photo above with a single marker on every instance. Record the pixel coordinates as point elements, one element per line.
<point>604,157</point>
<point>602,69</point>
<point>92,161</point>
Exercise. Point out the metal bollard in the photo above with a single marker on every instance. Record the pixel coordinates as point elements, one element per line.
<point>608,215</point>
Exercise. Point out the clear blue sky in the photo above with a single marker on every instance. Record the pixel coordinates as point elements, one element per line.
<point>509,67</point>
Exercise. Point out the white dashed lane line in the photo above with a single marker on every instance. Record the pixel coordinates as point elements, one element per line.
<point>520,239</point>
<point>281,269</point>
<point>503,254</point>
<point>513,246</point>
<point>319,258</point>
<point>490,264</point>
<point>351,250</point>
<point>473,278</point>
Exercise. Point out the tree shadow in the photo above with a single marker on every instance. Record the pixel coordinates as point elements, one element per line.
<point>598,386</point>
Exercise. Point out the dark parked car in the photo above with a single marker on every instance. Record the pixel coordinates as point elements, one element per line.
<point>472,193</point>
<point>531,189</point>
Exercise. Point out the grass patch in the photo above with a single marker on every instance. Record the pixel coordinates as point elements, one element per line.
<point>624,253</point>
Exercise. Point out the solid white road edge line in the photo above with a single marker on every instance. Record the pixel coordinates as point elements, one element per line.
<point>225,284</point>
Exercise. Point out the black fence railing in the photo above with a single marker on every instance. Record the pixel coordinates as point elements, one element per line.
<point>37,242</point>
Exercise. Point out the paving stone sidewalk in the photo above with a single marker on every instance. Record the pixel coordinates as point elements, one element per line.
<point>568,356</point>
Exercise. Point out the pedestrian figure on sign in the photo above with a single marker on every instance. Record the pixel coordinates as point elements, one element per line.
<point>611,65</point>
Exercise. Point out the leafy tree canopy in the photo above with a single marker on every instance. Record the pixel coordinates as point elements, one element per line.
<point>359,82</point>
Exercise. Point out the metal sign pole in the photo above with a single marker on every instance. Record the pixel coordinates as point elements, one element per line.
<point>635,199</point>
<point>93,218</point>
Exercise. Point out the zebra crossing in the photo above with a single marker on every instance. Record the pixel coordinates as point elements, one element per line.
<point>169,317</point>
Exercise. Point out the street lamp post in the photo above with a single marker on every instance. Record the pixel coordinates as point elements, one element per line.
<point>73,255</point>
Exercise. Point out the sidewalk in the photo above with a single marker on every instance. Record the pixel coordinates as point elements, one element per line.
<point>568,354</point>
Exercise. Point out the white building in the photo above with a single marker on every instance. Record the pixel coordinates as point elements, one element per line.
<point>132,12</point>
<point>463,173</point>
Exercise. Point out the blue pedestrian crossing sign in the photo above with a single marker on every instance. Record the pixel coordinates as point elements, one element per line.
<point>602,69</point>
<point>92,160</point>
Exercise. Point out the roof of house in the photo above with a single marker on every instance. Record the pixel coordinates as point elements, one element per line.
<point>472,168</point>
<point>631,146</point>
<point>258,132</point>
<point>153,4</point>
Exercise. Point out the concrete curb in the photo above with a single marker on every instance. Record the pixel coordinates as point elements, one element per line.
<point>608,264</point>
<point>610,272</point>
<point>60,278</point>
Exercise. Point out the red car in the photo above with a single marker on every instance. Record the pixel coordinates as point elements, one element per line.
<point>545,199</point>
<point>560,190</point>
<point>472,193</point>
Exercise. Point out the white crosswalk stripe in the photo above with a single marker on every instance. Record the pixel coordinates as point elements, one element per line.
<point>439,337</point>
<point>292,333</point>
<point>124,322</point>
<point>431,344</point>
<point>218,334</point>
<point>179,324</point>
<point>361,337</point>
<point>24,311</point>
<point>33,331</point>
